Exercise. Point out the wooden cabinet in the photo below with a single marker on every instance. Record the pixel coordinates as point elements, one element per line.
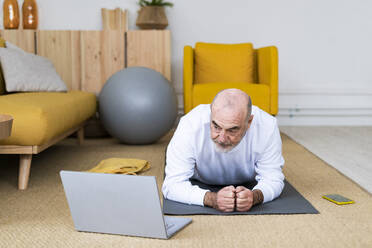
<point>150,48</point>
<point>102,54</point>
<point>86,59</point>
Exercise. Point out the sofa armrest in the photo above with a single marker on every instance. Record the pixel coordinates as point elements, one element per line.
<point>267,61</point>
<point>188,77</point>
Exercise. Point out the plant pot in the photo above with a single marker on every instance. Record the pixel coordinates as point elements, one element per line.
<point>152,17</point>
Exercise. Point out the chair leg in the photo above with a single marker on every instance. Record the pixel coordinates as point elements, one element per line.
<point>80,135</point>
<point>24,170</point>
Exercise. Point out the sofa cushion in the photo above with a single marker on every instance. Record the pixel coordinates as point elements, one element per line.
<point>259,93</point>
<point>28,72</point>
<point>224,63</point>
<point>41,116</point>
<point>2,42</point>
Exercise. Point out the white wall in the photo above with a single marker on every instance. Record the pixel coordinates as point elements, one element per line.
<point>324,46</point>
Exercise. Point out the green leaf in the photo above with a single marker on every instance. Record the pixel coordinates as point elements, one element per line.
<point>168,4</point>
<point>143,3</point>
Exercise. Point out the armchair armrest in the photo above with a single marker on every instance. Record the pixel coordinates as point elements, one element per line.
<point>267,61</point>
<point>188,77</point>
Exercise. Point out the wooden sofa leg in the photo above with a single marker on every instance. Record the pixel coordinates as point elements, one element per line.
<point>24,170</point>
<point>80,135</point>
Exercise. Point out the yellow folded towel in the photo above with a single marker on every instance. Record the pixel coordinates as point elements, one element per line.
<point>129,166</point>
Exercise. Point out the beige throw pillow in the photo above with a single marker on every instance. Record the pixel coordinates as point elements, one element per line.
<point>28,72</point>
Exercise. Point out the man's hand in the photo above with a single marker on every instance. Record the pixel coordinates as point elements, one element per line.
<point>246,198</point>
<point>223,200</point>
<point>228,198</point>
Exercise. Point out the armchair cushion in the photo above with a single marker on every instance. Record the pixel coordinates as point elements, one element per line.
<point>259,93</point>
<point>224,62</point>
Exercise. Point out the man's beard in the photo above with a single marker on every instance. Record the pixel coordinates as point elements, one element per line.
<point>222,149</point>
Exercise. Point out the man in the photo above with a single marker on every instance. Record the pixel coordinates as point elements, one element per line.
<point>229,142</point>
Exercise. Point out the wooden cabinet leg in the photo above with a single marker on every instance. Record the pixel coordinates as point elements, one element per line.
<point>80,135</point>
<point>24,170</point>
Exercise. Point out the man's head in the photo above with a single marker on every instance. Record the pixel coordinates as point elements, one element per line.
<point>230,118</point>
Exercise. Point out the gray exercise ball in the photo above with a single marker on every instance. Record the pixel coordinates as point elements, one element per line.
<point>137,105</point>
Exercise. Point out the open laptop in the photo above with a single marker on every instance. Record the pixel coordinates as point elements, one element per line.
<point>118,204</point>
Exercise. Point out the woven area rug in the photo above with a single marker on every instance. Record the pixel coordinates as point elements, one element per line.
<point>39,216</point>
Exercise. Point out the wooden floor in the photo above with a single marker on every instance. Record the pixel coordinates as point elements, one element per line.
<point>348,149</point>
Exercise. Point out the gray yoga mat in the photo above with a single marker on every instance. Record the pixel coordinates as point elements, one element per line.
<point>289,202</point>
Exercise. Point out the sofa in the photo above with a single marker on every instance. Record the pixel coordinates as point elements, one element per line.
<point>41,119</point>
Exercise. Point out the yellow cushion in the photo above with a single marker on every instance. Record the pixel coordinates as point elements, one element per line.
<point>41,116</point>
<point>2,82</point>
<point>2,42</point>
<point>259,93</point>
<point>223,63</point>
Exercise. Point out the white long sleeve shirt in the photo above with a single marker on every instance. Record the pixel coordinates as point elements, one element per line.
<point>191,154</point>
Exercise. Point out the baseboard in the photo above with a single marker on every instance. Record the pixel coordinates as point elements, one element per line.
<point>320,107</point>
<point>324,117</point>
<point>325,91</point>
<point>325,107</point>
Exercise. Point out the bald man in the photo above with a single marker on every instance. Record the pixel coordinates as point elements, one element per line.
<point>229,142</point>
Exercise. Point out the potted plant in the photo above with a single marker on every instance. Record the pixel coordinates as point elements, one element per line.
<point>152,14</point>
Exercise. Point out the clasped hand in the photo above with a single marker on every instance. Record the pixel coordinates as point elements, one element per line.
<point>230,197</point>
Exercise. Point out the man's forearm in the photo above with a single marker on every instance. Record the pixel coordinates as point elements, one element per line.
<point>210,199</point>
<point>257,197</point>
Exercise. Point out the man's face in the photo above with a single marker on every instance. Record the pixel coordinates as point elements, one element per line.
<point>228,127</point>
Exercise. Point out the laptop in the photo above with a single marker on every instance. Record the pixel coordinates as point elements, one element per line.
<point>118,204</point>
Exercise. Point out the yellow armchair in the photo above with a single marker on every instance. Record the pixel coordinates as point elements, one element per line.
<point>210,68</point>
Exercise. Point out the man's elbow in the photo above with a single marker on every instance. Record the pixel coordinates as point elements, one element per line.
<point>278,187</point>
<point>165,190</point>
<point>271,189</point>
